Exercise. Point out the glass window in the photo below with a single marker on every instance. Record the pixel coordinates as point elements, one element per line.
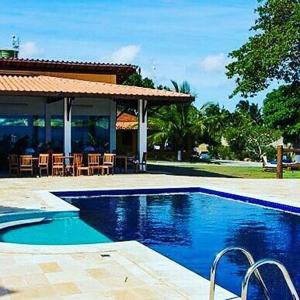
<point>57,133</point>
<point>20,132</point>
<point>88,132</point>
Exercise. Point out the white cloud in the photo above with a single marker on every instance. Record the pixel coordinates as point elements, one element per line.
<point>213,63</point>
<point>29,49</point>
<point>125,55</point>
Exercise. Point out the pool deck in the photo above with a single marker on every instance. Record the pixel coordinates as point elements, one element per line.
<point>125,270</point>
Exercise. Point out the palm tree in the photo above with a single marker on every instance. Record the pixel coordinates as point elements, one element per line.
<point>180,124</point>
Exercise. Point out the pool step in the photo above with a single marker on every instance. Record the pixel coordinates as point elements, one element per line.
<point>5,225</point>
<point>253,269</point>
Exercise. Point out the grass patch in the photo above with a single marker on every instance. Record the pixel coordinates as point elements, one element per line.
<point>212,170</point>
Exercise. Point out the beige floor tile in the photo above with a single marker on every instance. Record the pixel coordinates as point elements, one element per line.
<point>146,293</point>
<point>13,282</point>
<point>66,288</point>
<point>98,273</point>
<point>124,294</point>
<point>50,267</point>
<point>88,296</point>
<point>45,291</point>
<point>61,277</point>
<point>36,279</point>
<point>90,285</point>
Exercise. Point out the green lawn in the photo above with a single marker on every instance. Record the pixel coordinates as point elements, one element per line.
<point>213,170</point>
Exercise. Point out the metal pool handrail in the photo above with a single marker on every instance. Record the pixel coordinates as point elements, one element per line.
<point>279,265</point>
<point>251,263</point>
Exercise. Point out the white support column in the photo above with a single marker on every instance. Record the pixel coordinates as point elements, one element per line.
<point>67,125</point>
<point>112,130</point>
<point>142,129</point>
<point>47,124</point>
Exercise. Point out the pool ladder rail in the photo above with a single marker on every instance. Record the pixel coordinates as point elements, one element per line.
<point>253,269</point>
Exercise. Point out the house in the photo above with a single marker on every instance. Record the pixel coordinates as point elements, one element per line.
<point>69,106</point>
<point>127,126</point>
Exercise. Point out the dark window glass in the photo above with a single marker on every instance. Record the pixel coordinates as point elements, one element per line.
<point>20,132</point>
<point>57,133</point>
<point>88,132</point>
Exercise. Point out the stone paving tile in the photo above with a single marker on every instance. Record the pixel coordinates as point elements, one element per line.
<point>35,279</point>
<point>35,292</point>
<point>111,279</point>
<point>66,288</point>
<point>50,267</point>
<point>14,282</point>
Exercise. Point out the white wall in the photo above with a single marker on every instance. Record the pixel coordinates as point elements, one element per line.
<point>22,106</point>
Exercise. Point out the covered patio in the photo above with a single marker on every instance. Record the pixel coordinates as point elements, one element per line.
<point>71,114</point>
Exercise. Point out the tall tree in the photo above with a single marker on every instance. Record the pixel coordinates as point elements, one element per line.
<point>249,139</point>
<point>281,110</point>
<point>179,124</point>
<point>136,79</point>
<point>251,110</point>
<point>216,119</point>
<point>272,53</point>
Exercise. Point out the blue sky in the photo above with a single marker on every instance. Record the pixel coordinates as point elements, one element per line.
<point>169,39</point>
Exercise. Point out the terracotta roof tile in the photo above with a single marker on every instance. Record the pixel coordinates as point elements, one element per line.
<point>127,122</point>
<point>61,87</point>
<point>126,125</point>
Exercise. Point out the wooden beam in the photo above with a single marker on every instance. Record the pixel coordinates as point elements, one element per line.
<point>279,162</point>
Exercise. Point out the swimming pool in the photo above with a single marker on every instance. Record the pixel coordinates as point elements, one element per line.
<point>191,227</point>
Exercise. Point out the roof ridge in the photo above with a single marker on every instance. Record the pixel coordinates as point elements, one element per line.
<point>90,63</point>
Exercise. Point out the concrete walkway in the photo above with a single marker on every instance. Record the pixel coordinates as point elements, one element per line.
<point>23,193</point>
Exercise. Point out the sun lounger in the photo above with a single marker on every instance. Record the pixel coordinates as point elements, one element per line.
<point>268,166</point>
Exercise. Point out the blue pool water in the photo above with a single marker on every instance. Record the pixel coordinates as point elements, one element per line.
<point>62,231</point>
<point>189,228</point>
<point>192,228</point>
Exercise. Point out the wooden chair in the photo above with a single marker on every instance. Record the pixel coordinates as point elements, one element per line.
<point>13,164</point>
<point>108,163</point>
<point>94,163</point>
<point>77,161</point>
<point>80,167</point>
<point>57,164</point>
<point>43,164</point>
<point>26,164</point>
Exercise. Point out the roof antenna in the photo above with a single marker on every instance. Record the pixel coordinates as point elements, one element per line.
<point>15,42</point>
<point>15,45</point>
